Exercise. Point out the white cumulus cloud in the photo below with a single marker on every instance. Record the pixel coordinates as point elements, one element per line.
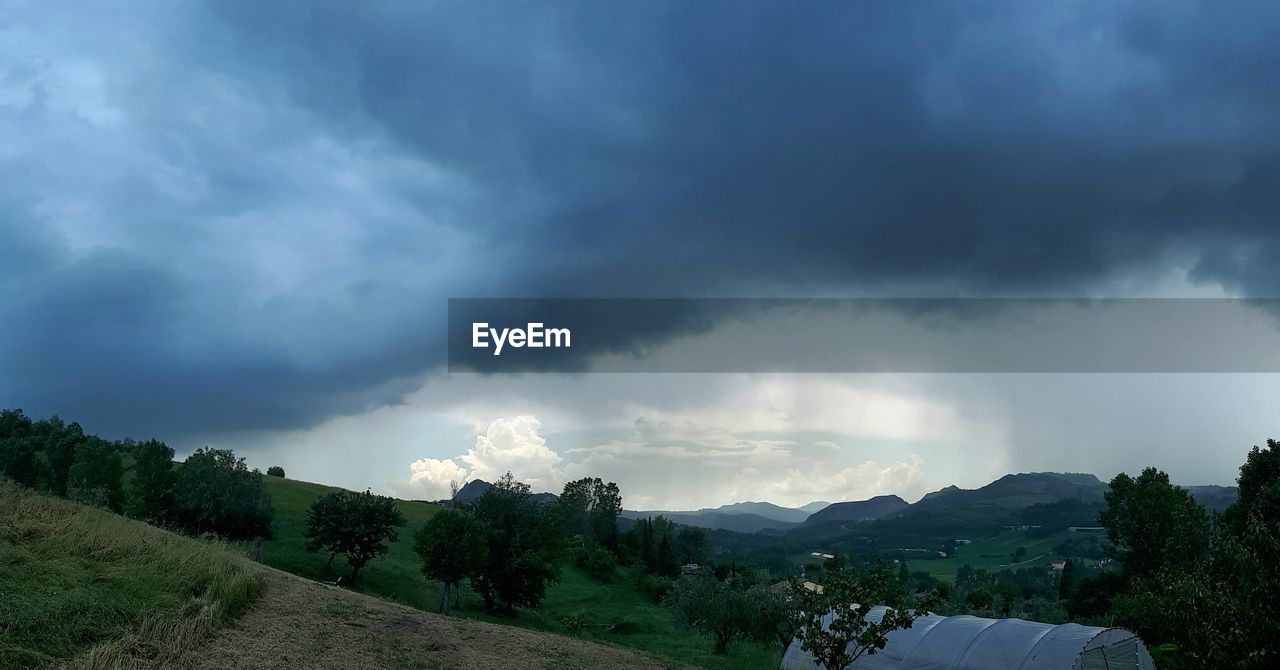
<point>430,478</point>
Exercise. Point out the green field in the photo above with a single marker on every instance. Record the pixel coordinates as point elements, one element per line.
<point>615,613</point>
<point>82,583</point>
<point>993,553</point>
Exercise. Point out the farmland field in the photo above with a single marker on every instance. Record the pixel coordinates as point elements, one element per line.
<point>994,552</point>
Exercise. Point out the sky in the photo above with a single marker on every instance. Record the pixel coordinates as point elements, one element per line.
<point>238,225</point>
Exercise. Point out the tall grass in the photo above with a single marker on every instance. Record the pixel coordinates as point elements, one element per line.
<point>81,587</point>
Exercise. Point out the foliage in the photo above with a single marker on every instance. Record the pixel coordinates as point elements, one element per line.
<point>691,544</point>
<point>275,471</point>
<point>598,562</point>
<point>1259,488</point>
<point>94,476</point>
<point>356,525</point>
<point>1153,524</point>
<point>18,448</point>
<point>151,491</point>
<point>653,541</point>
<point>61,443</point>
<point>591,508</point>
<point>616,612</point>
<point>523,543</point>
<point>735,608</point>
<point>451,545</point>
<point>216,493</point>
<point>832,621</point>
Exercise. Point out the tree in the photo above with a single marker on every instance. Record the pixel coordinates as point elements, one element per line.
<point>18,447</point>
<point>1067,581</point>
<point>275,471</point>
<point>735,608</point>
<point>1152,523</point>
<point>151,491</point>
<point>59,442</point>
<point>451,545</point>
<point>95,474</point>
<point>832,621</point>
<point>1258,488</point>
<point>217,493</point>
<point>356,525</point>
<point>691,544</point>
<point>591,509</point>
<point>523,543</point>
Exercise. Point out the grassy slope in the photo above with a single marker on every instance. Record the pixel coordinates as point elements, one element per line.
<point>994,553</point>
<point>80,583</point>
<point>397,576</point>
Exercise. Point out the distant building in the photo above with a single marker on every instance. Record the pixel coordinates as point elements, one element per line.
<point>1086,529</point>
<point>785,585</point>
<point>1058,566</point>
<point>818,554</point>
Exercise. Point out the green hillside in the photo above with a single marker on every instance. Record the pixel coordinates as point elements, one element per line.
<point>994,553</point>
<point>616,613</point>
<point>84,585</point>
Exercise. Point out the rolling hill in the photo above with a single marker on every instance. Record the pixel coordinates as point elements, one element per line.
<point>614,613</point>
<point>859,510</point>
<point>84,588</point>
<point>1016,491</point>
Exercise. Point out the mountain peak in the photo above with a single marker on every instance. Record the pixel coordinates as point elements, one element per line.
<point>859,510</point>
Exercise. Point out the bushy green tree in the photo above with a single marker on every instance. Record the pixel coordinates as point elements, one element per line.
<point>60,442</point>
<point>275,471</point>
<point>217,493</point>
<point>18,448</point>
<point>1258,489</point>
<point>151,491</point>
<point>357,525</point>
<point>1152,524</point>
<point>832,622</point>
<point>451,545</point>
<point>591,509</point>
<point>523,544</point>
<point>727,610</point>
<point>95,474</point>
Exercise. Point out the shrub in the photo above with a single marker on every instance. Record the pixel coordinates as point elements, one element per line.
<point>217,493</point>
<point>655,586</point>
<point>599,564</point>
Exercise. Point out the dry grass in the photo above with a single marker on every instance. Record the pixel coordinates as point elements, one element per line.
<point>84,588</point>
<point>303,624</point>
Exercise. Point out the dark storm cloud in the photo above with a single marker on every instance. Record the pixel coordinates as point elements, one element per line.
<point>286,194</point>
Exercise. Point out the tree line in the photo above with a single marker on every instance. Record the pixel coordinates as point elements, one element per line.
<point>213,492</point>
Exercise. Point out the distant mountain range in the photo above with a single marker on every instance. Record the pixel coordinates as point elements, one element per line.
<point>814,506</point>
<point>741,517</point>
<point>999,498</point>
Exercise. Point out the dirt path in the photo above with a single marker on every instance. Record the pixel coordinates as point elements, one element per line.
<point>299,623</point>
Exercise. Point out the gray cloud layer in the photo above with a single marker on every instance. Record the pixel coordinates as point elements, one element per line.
<point>243,216</point>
